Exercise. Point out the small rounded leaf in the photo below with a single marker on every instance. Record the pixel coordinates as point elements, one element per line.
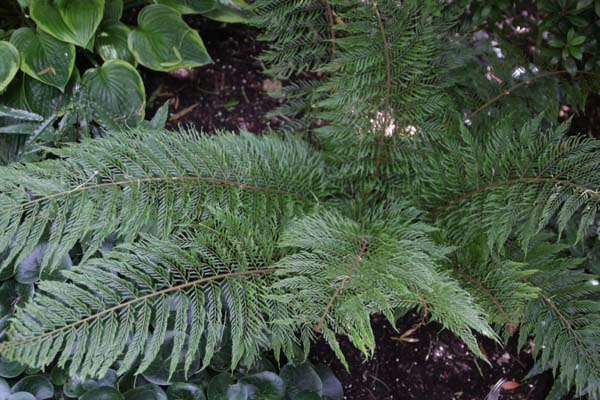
<point>38,385</point>
<point>162,41</point>
<point>115,91</point>
<point>10,369</point>
<point>9,63</point>
<point>72,21</point>
<point>102,393</point>
<point>185,391</point>
<point>299,378</point>
<point>306,395</point>
<point>30,269</point>
<point>222,387</point>
<point>146,392</point>
<point>267,386</point>
<point>43,57</point>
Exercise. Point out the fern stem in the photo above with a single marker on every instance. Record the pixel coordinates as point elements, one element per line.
<point>331,20</point>
<point>510,90</point>
<point>580,344</point>
<point>138,181</point>
<point>9,345</point>
<point>512,324</point>
<point>495,185</point>
<point>318,327</point>
<point>388,85</point>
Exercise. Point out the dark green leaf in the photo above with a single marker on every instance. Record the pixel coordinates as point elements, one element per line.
<point>307,395</point>
<point>116,89</point>
<point>10,369</point>
<point>158,371</point>
<point>44,57</point>
<point>19,114</point>
<point>162,41</point>
<point>72,21</point>
<point>231,11</point>
<point>111,43</point>
<point>30,269</point>
<point>185,391</point>
<point>102,393</point>
<point>146,392</point>
<point>113,11</point>
<point>299,378</point>
<point>9,64</point>
<point>268,386</point>
<point>21,396</point>
<point>37,385</point>
<point>189,6</point>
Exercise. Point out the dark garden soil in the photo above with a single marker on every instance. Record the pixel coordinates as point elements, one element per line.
<point>433,365</point>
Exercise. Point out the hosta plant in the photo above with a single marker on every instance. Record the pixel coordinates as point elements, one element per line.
<point>73,63</point>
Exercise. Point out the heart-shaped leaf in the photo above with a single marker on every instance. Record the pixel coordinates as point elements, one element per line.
<point>111,43</point>
<point>37,385</point>
<point>299,378</point>
<point>162,41</point>
<point>189,6</point>
<point>102,393</point>
<point>116,91</point>
<point>231,11</point>
<point>43,57</point>
<point>75,387</point>
<point>267,386</point>
<point>72,21</point>
<point>185,391</point>
<point>9,64</point>
<point>146,392</point>
<point>44,99</point>
<point>4,389</point>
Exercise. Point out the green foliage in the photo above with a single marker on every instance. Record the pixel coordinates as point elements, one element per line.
<point>53,55</point>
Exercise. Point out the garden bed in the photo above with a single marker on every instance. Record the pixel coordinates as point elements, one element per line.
<point>232,94</point>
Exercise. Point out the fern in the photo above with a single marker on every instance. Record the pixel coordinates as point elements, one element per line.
<point>564,321</point>
<point>347,270</point>
<point>144,182</point>
<point>509,182</point>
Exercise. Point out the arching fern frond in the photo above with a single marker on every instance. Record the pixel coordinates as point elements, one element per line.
<point>564,321</point>
<point>126,303</point>
<point>145,181</point>
<point>346,270</point>
<point>509,182</point>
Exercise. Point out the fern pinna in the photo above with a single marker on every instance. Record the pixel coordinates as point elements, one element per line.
<point>389,206</point>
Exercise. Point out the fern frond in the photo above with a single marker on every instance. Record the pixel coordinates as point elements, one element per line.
<point>509,182</point>
<point>345,270</point>
<point>144,181</point>
<point>105,309</point>
<point>564,322</point>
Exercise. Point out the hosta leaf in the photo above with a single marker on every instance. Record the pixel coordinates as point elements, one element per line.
<point>102,393</point>
<point>38,385</point>
<point>113,11</point>
<point>111,43</point>
<point>44,57</point>
<point>9,63</point>
<point>189,6</point>
<point>265,386</point>
<point>146,392</point>
<point>116,90</point>
<point>164,42</point>
<point>72,21</point>
<point>299,378</point>
<point>185,391</point>
<point>43,99</point>
<point>232,11</point>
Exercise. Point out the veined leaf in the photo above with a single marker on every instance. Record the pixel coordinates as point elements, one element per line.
<point>162,41</point>
<point>9,64</point>
<point>72,21</point>
<point>116,90</point>
<point>189,6</point>
<point>44,57</point>
<point>231,11</point>
<point>111,43</point>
